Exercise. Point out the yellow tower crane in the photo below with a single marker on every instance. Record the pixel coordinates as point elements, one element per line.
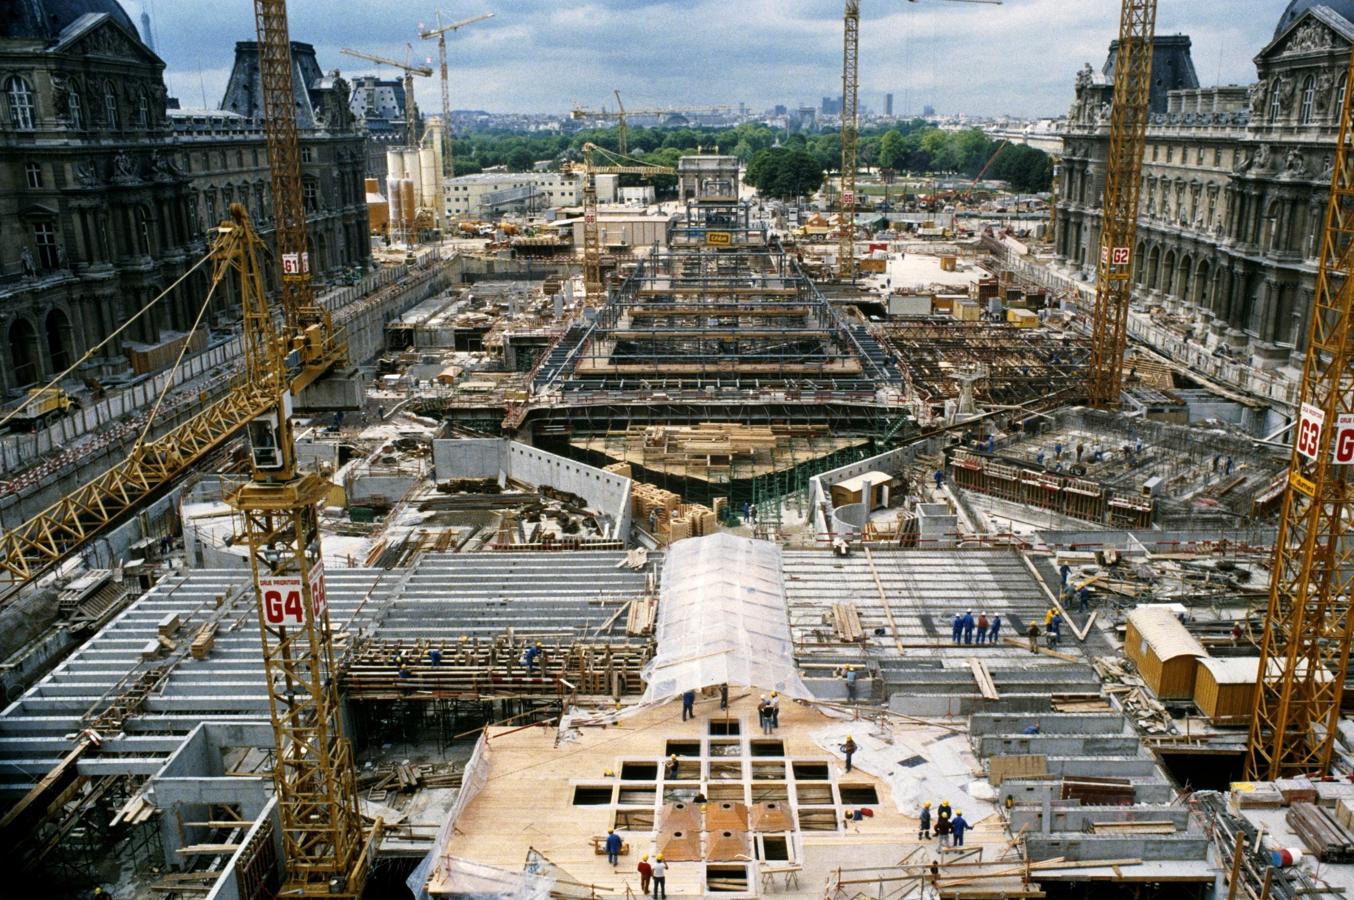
<point>592,244</point>
<point>1123,181</point>
<point>440,32</point>
<point>409,70</point>
<point>1304,654</point>
<point>846,206</point>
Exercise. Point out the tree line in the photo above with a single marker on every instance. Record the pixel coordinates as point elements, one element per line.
<point>777,164</point>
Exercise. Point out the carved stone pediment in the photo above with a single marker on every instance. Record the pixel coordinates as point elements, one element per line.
<point>108,40</point>
<point>1308,37</point>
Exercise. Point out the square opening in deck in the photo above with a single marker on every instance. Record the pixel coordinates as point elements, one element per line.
<point>768,748</point>
<point>858,794</point>
<point>771,790</point>
<point>726,879</point>
<point>768,771</point>
<point>592,795</point>
<point>639,771</point>
<point>726,771</point>
<point>726,748</point>
<point>817,820</point>
<point>636,795</point>
<point>684,748</point>
<point>725,792</point>
<point>810,771</point>
<point>775,849</point>
<point>723,728</point>
<point>814,794</point>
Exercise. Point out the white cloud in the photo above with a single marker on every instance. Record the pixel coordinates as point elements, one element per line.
<point>541,56</point>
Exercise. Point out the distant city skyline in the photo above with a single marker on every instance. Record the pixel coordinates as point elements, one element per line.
<point>539,57</point>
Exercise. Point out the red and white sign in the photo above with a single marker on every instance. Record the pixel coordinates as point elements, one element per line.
<point>283,603</point>
<point>848,198</point>
<point>590,218</point>
<point>1309,430</point>
<point>1342,446</point>
<point>1121,256</point>
<point>295,263</point>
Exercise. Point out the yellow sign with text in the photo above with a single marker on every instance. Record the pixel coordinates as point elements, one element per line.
<point>1302,484</point>
<point>719,238</point>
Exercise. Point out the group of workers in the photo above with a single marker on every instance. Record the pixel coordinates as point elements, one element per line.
<point>768,712</point>
<point>964,628</point>
<point>655,873</point>
<point>950,826</point>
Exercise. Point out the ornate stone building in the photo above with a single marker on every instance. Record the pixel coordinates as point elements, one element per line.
<point>1235,184</point>
<point>107,191</point>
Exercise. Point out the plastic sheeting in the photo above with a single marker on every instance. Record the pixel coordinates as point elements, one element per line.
<point>457,872</point>
<point>722,618</point>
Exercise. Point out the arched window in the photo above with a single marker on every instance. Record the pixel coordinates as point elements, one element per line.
<point>75,106</point>
<point>110,106</point>
<point>20,96</point>
<point>1275,106</point>
<point>142,110</point>
<point>1308,98</point>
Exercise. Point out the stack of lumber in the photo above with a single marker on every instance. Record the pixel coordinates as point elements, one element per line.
<point>690,520</point>
<point>1256,795</point>
<point>650,498</point>
<point>846,622</point>
<point>1296,790</point>
<point>618,468</point>
<point>1321,833</point>
<point>406,778</point>
<point>1125,685</point>
<point>641,616</point>
<point>134,811</point>
<point>203,641</point>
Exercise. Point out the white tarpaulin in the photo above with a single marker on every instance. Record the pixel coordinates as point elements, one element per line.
<point>722,619</point>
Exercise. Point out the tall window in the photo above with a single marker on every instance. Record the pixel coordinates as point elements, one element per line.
<point>20,103</point>
<point>307,155</point>
<point>77,111</point>
<point>142,110</point>
<point>143,231</point>
<point>1340,97</point>
<point>110,106</point>
<point>44,236</point>
<point>33,173</point>
<point>1308,99</point>
<point>312,196</point>
<point>1275,107</point>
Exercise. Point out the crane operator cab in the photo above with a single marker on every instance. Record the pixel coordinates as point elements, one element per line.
<point>268,445</point>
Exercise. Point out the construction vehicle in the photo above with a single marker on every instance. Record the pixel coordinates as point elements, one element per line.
<point>41,406</point>
<point>1304,653</point>
<point>846,207</point>
<point>440,32</point>
<point>592,244</point>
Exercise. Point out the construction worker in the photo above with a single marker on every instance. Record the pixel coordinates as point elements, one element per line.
<point>994,629</point>
<point>613,846</point>
<point>850,677</point>
<point>924,823</point>
<point>968,627</point>
<point>1048,616</point>
<point>982,627</point>
<point>1084,598</point>
<point>849,748</point>
<point>724,695</point>
<point>671,771</point>
<point>942,833</point>
<point>100,893</point>
<point>957,628</point>
<point>774,710</point>
<point>944,812</point>
<point>530,655</point>
<point>764,714</point>
<point>645,874</point>
<point>959,826</point>
<point>660,878</point>
<point>688,705</point>
<point>435,656</point>
<point>1033,634</point>
<point>1055,629</point>
<point>1033,729</point>
<point>1064,570</point>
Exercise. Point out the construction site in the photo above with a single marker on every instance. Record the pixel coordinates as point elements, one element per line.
<point>734,564</point>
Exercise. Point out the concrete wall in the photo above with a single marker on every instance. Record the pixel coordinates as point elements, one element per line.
<point>894,462</point>
<point>603,491</point>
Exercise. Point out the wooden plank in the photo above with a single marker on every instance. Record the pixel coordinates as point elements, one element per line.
<point>984,678</point>
<point>884,599</point>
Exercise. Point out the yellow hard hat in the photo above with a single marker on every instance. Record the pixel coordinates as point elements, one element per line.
<point>775,693</point>
<point>926,806</point>
<point>848,737</point>
<point>611,831</point>
<point>660,857</point>
<point>674,756</point>
<point>644,857</point>
<point>958,812</point>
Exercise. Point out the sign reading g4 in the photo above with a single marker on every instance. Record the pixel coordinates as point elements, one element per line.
<point>1342,446</point>
<point>283,603</point>
<point>1310,424</point>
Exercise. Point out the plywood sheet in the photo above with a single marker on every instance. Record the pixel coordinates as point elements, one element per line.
<point>681,816</point>
<point>726,815</point>
<point>680,846</point>
<point>729,846</point>
<point>770,816</point>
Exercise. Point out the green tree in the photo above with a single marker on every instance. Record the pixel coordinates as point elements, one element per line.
<point>520,159</point>
<point>785,173</point>
<point>892,150</point>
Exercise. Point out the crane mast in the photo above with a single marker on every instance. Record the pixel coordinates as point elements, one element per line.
<point>1123,180</point>
<point>313,767</point>
<point>440,32</point>
<point>1304,653</point>
<point>846,234</point>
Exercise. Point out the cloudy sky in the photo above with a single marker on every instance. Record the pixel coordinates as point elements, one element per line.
<point>543,56</point>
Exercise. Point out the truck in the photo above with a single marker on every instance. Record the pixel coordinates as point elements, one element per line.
<point>41,406</point>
